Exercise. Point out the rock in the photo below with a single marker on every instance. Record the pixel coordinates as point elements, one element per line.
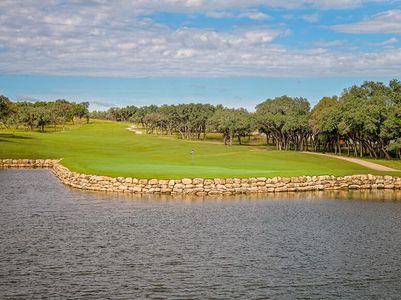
<point>166,190</point>
<point>208,182</point>
<point>153,181</point>
<point>221,187</point>
<point>229,180</point>
<point>143,181</point>
<point>200,186</point>
<point>186,181</point>
<point>179,186</point>
<point>197,181</point>
<point>136,189</point>
<point>353,187</point>
<point>218,181</point>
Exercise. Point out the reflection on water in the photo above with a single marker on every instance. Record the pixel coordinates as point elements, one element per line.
<point>360,195</point>
<point>57,242</point>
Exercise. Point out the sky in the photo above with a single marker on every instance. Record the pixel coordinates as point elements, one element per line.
<point>234,52</point>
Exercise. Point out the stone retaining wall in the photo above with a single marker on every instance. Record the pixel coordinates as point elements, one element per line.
<point>202,187</point>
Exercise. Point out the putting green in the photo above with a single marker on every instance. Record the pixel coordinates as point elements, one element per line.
<point>108,148</point>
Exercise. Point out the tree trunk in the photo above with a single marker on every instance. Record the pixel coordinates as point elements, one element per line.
<point>386,154</point>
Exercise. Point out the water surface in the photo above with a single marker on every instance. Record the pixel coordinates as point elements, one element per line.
<point>58,242</point>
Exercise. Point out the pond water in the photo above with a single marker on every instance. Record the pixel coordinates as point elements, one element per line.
<point>57,242</point>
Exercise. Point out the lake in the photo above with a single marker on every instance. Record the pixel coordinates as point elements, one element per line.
<point>58,242</point>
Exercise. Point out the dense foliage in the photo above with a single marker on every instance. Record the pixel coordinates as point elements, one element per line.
<point>41,114</point>
<point>364,120</point>
<point>285,120</point>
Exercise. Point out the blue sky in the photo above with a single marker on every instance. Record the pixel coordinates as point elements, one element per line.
<point>219,51</point>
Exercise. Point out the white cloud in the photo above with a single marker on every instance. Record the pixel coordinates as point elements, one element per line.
<point>312,18</point>
<point>330,44</point>
<point>254,15</point>
<point>385,22</point>
<point>143,7</point>
<point>220,14</point>
<point>339,4</point>
<point>97,39</point>
<point>388,42</point>
<point>249,14</point>
<point>184,53</point>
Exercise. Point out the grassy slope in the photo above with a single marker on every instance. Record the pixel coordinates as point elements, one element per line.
<point>395,164</point>
<point>107,148</point>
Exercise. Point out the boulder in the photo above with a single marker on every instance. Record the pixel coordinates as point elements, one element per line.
<point>186,181</point>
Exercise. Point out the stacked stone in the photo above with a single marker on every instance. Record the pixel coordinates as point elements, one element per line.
<point>229,186</point>
<point>202,187</point>
<point>28,163</point>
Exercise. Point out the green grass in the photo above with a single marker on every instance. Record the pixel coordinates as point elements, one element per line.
<point>394,163</point>
<point>107,148</point>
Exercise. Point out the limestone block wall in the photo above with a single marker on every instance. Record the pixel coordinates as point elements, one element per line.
<point>202,187</point>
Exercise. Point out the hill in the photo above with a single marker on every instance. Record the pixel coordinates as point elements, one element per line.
<point>108,148</point>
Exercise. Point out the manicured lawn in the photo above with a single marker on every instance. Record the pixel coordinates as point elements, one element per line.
<point>107,148</point>
<point>394,163</point>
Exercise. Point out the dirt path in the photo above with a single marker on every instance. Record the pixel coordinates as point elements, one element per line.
<point>367,164</point>
<point>133,129</point>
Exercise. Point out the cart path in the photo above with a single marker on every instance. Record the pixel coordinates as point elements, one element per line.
<point>133,129</point>
<point>367,164</point>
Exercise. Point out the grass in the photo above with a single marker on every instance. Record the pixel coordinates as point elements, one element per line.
<point>395,164</point>
<point>107,148</point>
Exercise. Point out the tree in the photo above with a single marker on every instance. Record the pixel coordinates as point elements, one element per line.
<point>26,114</point>
<point>81,110</point>
<point>42,117</point>
<point>5,109</point>
<point>285,120</point>
<point>324,120</point>
<point>231,123</point>
<point>369,117</point>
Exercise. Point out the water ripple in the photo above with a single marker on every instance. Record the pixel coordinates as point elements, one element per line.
<point>56,242</point>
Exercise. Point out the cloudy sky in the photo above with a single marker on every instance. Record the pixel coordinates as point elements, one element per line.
<point>219,51</point>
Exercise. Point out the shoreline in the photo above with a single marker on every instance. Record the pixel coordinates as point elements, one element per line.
<point>204,187</point>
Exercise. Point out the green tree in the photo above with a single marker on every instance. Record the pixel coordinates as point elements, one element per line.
<point>81,110</point>
<point>42,117</point>
<point>324,120</point>
<point>5,109</point>
<point>285,120</point>
<point>231,123</point>
<point>369,116</point>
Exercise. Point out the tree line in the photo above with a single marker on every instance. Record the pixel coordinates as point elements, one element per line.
<point>189,121</point>
<point>364,120</point>
<point>38,115</point>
